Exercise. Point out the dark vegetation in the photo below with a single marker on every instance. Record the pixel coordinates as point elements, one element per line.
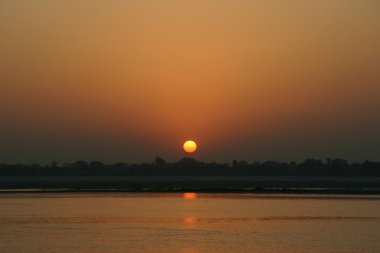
<point>191,167</point>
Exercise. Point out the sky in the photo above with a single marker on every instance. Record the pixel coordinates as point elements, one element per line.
<point>125,81</point>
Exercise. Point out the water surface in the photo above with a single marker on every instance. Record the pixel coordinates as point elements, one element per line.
<point>175,222</point>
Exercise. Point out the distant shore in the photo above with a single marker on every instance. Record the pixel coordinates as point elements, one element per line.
<point>183,190</point>
<point>212,184</point>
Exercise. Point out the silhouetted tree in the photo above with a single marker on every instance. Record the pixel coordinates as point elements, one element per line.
<point>96,165</point>
<point>81,165</point>
<point>235,164</point>
<point>159,162</point>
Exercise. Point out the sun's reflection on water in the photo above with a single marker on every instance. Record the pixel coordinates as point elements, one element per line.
<point>189,195</point>
<point>189,220</point>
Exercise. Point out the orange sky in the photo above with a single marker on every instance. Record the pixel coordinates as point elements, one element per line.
<point>128,80</point>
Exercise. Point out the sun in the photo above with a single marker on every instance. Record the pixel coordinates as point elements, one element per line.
<point>190,146</point>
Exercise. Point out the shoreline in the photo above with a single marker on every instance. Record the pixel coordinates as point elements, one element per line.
<point>201,184</point>
<point>192,190</point>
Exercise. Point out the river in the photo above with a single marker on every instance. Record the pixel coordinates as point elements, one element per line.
<point>188,223</point>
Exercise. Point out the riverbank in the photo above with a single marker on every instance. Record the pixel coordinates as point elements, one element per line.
<point>213,184</point>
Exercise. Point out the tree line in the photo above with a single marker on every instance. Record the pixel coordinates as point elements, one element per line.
<point>189,166</point>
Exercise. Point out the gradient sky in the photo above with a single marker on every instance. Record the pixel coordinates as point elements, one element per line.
<point>129,80</point>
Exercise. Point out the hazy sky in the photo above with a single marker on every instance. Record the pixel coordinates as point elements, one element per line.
<point>129,80</point>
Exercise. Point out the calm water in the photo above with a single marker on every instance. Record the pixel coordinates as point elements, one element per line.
<point>188,223</point>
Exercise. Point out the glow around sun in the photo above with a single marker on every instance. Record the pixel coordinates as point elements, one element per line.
<point>190,146</point>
